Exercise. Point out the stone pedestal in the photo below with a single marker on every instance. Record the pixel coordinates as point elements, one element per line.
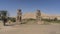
<point>40,22</point>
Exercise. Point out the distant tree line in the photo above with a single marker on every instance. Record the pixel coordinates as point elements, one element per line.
<point>55,19</point>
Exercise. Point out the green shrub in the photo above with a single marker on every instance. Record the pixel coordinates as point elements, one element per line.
<point>47,20</point>
<point>55,19</point>
<point>13,19</point>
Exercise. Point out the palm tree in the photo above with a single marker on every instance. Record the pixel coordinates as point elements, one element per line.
<point>3,16</point>
<point>4,13</point>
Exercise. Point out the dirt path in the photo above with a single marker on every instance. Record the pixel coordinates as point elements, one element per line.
<point>31,29</point>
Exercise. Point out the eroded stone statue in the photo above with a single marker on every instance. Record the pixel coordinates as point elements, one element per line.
<point>19,16</point>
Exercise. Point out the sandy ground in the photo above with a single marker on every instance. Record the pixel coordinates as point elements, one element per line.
<point>30,29</point>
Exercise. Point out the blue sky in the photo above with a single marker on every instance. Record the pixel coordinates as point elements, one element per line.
<point>46,6</point>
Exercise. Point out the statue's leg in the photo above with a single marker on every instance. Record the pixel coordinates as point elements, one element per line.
<point>4,23</point>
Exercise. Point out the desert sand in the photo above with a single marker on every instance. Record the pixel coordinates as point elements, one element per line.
<point>31,29</point>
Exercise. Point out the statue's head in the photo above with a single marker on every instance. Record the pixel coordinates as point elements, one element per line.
<point>38,11</point>
<point>19,10</point>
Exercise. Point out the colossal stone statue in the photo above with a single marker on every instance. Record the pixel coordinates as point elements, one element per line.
<point>38,16</point>
<point>19,16</point>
